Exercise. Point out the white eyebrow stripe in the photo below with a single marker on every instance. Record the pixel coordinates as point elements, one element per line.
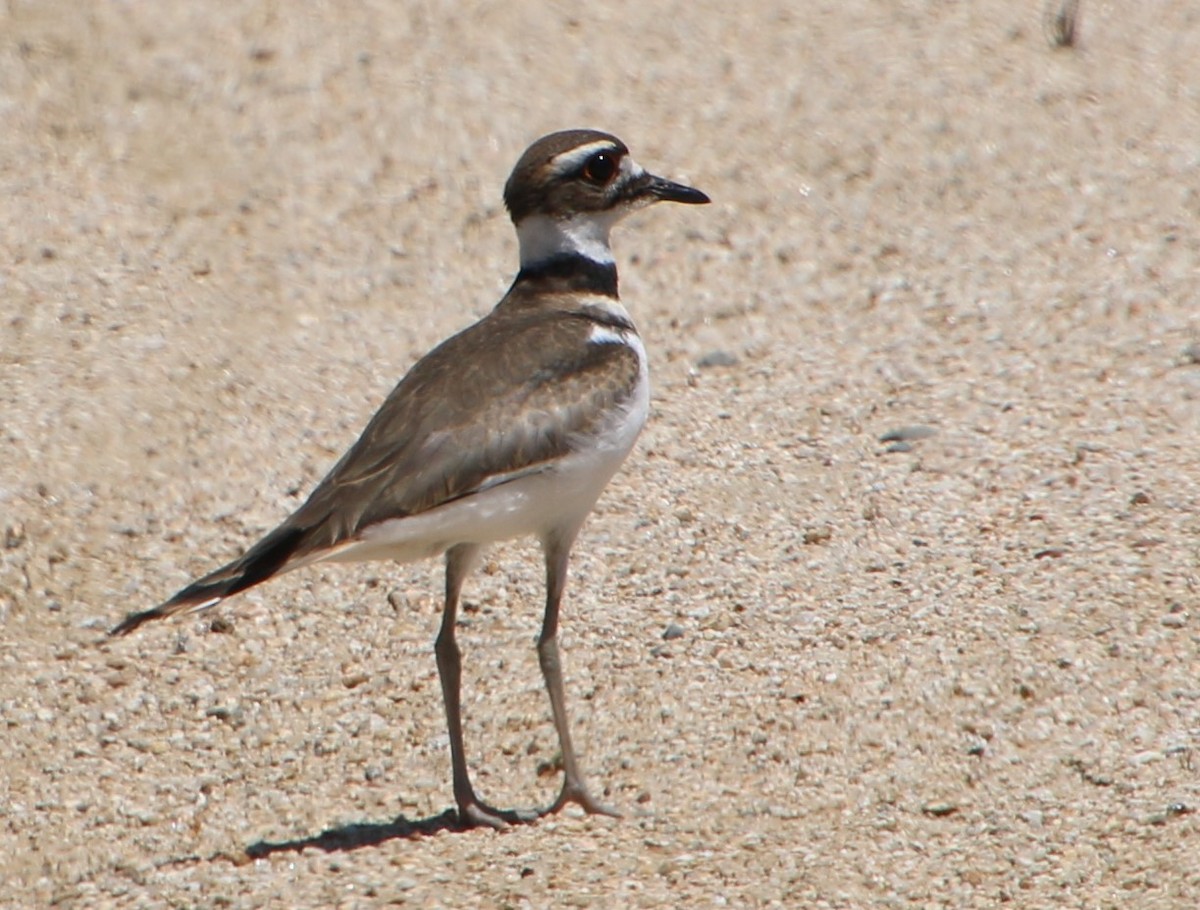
<point>568,161</point>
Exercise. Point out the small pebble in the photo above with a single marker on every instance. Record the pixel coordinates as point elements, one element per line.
<point>908,434</point>
<point>221,626</point>
<point>939,810</point>
<point>1165,815</point>
<point>673,631</point>
<point>818,535</point>
<point>14,536</point>
<point>718,358</point>
<point>234,716</point>
<point>1062,23</point>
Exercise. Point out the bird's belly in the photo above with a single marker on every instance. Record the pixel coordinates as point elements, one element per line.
<point>556,497</point>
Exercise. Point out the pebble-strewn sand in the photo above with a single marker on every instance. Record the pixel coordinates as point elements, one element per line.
<point>958,669</point>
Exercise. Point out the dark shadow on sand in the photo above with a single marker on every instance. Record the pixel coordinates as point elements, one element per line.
<point>366,834</point>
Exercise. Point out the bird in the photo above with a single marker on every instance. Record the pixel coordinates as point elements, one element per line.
<point>510,428</point>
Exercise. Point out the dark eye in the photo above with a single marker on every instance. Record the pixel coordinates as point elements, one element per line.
<point>601,167</point>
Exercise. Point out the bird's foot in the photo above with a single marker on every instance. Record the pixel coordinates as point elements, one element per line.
<point>475,814</point>
<point>577,792</point>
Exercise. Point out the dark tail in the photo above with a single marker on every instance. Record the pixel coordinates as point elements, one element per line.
<point>259,563</point>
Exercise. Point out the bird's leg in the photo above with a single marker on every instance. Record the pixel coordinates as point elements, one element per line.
<point>558,549</point>
<point>471,811</point>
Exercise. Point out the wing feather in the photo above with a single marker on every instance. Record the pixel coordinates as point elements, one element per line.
<point>458,421</point>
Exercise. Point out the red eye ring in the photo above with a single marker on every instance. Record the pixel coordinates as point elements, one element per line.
<point>601,168</point>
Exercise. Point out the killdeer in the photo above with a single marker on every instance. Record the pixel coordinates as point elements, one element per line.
<point>512,427</point>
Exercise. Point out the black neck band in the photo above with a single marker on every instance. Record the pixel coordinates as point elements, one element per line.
<point>571,272</point>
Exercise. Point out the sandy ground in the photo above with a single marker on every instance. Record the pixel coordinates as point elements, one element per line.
<point>958,669</point>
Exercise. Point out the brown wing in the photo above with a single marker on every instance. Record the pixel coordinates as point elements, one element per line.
<point>504,396</point>
<point>507,394</point>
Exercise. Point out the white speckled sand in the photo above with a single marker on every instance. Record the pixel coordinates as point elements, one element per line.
<point>949,670</point>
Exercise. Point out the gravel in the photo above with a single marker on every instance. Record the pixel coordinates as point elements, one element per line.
<point>960,676</point>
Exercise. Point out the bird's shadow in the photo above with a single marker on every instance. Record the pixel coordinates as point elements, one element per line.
<point>363,834</point>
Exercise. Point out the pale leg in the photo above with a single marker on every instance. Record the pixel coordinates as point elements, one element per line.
<point>471,811</point>
<point>557,548</point>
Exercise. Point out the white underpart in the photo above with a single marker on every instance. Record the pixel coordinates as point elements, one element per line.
<point>606,334</point>
<point>542,237</point>
<point>554,498</point>
<point>207,604</point>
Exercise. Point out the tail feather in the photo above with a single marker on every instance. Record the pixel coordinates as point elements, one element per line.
<point>259,563</point>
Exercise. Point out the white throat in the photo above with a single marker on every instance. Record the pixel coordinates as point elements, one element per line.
<point>542,237</point>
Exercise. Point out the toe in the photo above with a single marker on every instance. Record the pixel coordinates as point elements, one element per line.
<point>580,795</point>
<point>476,815</point>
